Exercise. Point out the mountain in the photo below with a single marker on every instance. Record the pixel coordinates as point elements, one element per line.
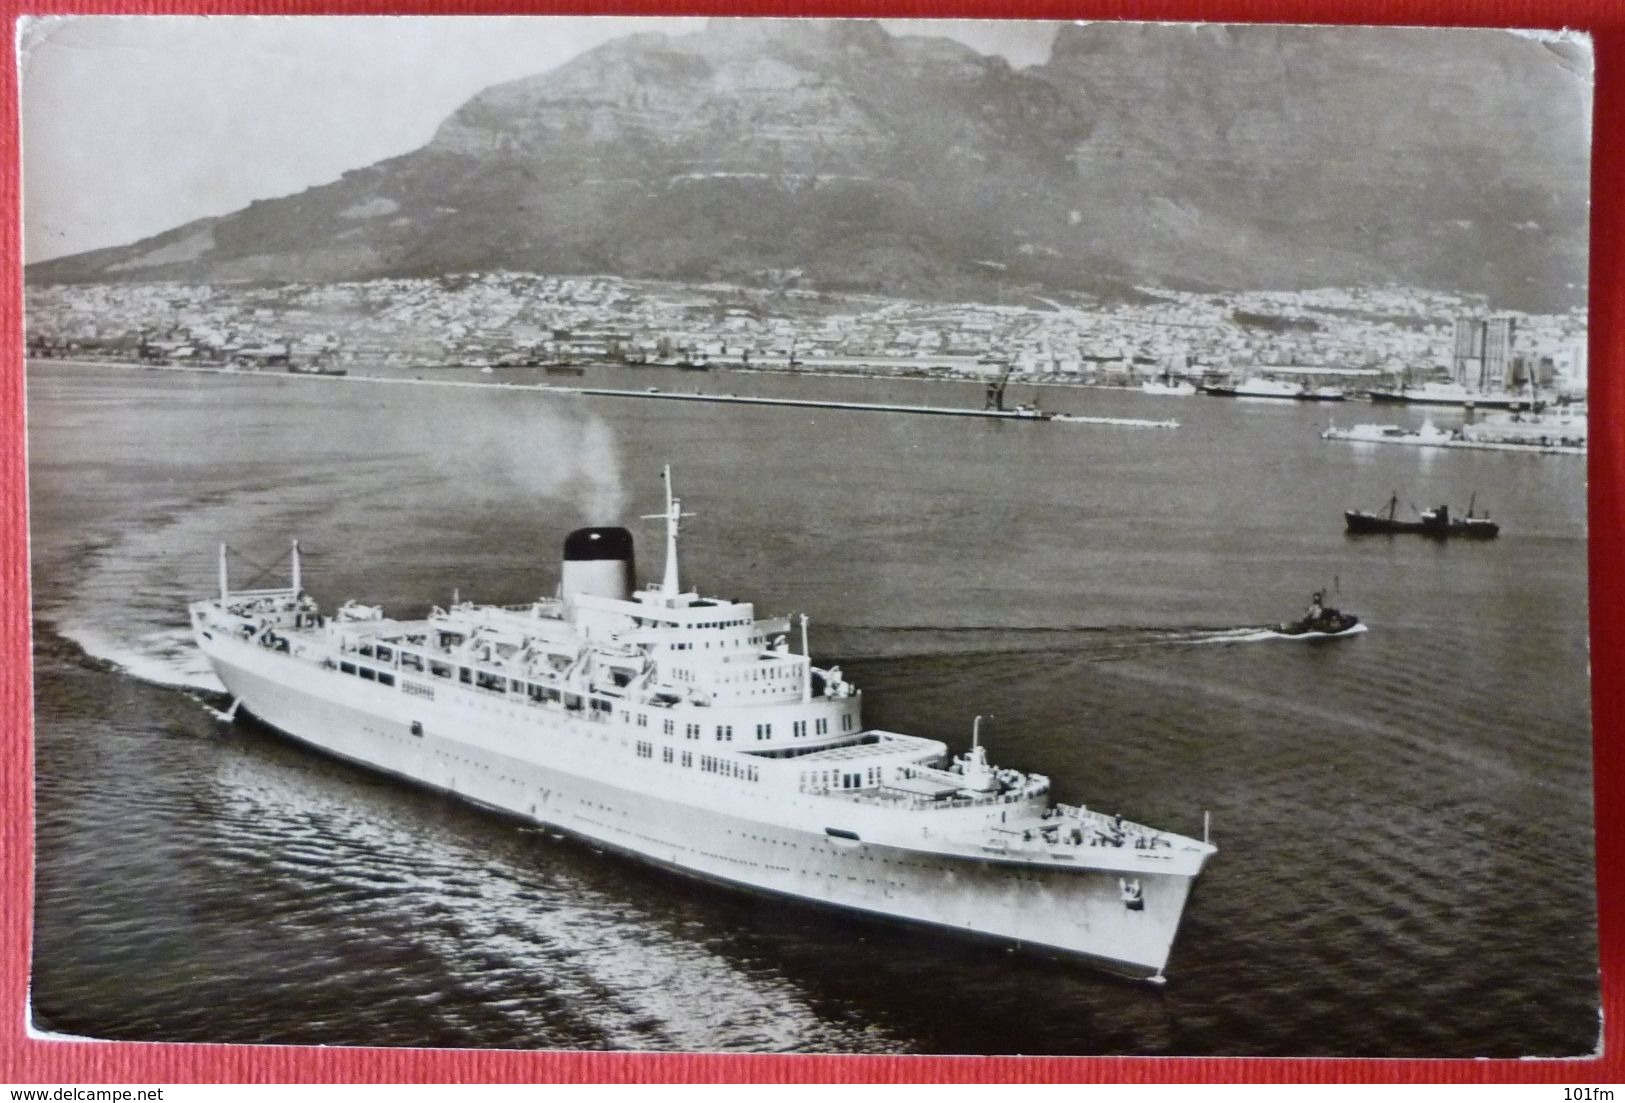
<point>1187,156</point>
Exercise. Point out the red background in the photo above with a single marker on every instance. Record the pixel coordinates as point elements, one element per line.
<point>28,1061</point>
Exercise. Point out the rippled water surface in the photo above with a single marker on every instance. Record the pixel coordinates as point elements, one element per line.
<point>1404,817</point>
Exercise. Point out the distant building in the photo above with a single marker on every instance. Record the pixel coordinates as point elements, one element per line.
<point>1468,362</point>
<point>1498,361</point>
<point>1483,353</point>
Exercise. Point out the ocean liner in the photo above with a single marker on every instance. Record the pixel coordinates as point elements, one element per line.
<point>685,731</point>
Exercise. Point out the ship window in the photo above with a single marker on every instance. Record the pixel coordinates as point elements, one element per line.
<point>822,725</point>
<point>464,675</point>
<point>366,650</point>
<point>799,728</point>
<point>846,722</point>
<point>668,726</point>
<point>386,678</point>
<point>692,731</point>
<point>347,668</point>
<point>417,727</point>
<point>385,653</point>
<point>666,754</point>
<point>410,661</point>
<point>367,673</point>
<point>439,670</point>
<point>688,758</point>
<point>643,720</point>
<point>490,681</point>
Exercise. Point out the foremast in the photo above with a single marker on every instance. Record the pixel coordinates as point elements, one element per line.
<point>673,514</point>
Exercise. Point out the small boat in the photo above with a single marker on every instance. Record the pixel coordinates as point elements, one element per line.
<point>1429,522</point>
<point>1322,621</point>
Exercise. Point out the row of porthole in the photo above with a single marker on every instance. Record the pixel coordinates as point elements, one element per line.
<point>763,839</point>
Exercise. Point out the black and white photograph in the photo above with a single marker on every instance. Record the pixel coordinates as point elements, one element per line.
<point>821,536</point>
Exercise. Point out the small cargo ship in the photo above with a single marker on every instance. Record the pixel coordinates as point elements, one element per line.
<point>1435,522</point>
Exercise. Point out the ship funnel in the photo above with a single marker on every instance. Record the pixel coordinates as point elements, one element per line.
<point>598,561</point>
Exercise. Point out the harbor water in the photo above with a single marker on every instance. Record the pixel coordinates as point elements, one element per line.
<point>1404,818</point>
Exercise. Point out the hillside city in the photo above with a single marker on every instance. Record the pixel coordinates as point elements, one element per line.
<point>503,319</point>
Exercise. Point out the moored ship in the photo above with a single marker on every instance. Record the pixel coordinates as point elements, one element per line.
<point>1256,386</point>
<point>1428,435</point>
<point>1496,433</point>
<point>1447,394</point>
<point>683,730</point>
<point>1561,427</point>
<point>1175,389</point>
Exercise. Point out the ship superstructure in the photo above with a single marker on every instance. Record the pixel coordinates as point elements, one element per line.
<point>687,731</point>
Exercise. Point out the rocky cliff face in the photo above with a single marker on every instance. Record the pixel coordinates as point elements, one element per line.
<point>1237,157</point>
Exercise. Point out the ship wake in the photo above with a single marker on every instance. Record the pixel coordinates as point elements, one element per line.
<point>1097,642</point>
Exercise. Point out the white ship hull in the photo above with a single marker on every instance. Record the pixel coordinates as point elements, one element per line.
<point>1450,396</point>
<point>581,776</point>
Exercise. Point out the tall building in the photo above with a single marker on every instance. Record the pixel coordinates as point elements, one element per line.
<point>1468,363</point>
<point>1498,363</point>
<point>1572,368</point>
<point>1483,357</point>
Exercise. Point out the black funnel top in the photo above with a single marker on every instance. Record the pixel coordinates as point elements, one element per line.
<point>587,545</point>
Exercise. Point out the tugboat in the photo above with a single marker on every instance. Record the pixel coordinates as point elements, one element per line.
<point>1430,522</point>
<point>1322,621</point>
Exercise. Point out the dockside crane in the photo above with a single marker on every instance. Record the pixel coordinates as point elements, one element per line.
<point>995,388</point>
